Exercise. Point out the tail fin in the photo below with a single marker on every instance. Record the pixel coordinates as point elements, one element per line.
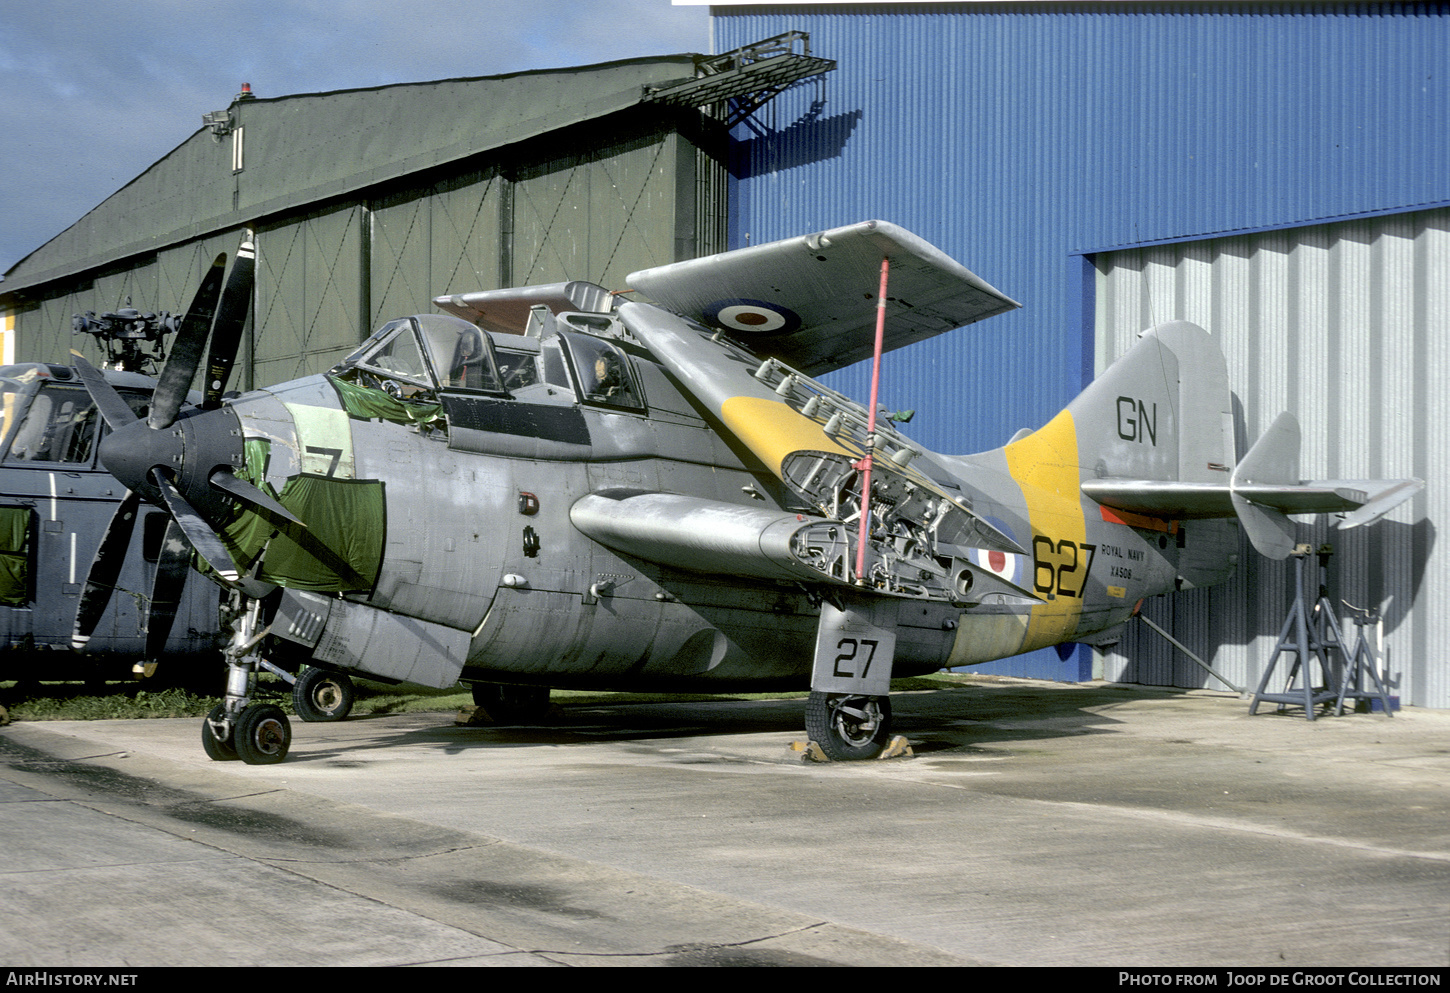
<point>1162,412</point>
<point>1156,431</point>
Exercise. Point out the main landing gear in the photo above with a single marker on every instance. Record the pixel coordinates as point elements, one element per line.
<point>321,696</point>
<point>848,714</point>
<point>237,728</point>
<point>849,727</point>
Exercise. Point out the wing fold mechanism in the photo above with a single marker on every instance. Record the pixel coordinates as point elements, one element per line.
<point>1263,491</point>
<point>713,537</point>
<point>923,525</point>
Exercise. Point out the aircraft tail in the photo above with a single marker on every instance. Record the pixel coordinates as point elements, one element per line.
<point>1162,412</point>
<point>1156,439</point>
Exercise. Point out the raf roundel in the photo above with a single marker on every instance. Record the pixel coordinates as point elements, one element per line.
<point>753,317</point>
<point>1003,564</point>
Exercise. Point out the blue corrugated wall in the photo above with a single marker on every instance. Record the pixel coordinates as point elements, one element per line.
<point>1016,136</point>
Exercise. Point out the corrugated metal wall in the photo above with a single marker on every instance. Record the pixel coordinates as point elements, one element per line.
<point>1015,136</point>
<point>1345,325</point>
<point>310,306</point>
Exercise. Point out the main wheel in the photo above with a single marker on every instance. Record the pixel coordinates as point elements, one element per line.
<point>217,749</point>
<point>512,704</point>
<point>263,735</point>
<point>849,727</point>
<point>319,695</point>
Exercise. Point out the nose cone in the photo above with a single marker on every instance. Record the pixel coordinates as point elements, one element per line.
<point>131,452</point>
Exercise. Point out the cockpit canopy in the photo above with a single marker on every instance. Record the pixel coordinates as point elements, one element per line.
<point>425,353</point>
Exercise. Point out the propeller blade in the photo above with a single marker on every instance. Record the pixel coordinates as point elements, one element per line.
<point>171,568</point>
<point>105,570</point>
<point>197,531</point>
<point>186,349</point>
<point>235,486</point>
<point>226,336</point>
<point>116,411</point>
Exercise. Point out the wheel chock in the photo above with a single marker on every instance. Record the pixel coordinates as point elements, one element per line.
<point>807,751</point>
<point>897,748</point>
<point>473,717</point>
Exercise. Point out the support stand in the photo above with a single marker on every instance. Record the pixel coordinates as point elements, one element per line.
<point>1308,633</point>
<point>1365,660</point>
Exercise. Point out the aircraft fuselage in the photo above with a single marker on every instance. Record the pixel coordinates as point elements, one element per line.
<point>478,558</point>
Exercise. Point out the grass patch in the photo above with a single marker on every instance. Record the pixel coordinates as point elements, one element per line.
<point>77,702</point>
<point>133,701</point>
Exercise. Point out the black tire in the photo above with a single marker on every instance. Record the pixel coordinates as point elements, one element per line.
<point>849,728</point>
<point>216,750</point>
<point>512,704</point>
<point>320,696</point>
<point>263,735</point>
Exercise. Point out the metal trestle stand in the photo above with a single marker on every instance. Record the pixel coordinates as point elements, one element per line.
<point>1310,634</point>
<point>1364,662</point>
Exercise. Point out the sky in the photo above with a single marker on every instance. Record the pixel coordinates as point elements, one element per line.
<point>92,92</point>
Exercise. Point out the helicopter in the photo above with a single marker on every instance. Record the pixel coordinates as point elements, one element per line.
<point>55,500</point>
<point>563,486</point>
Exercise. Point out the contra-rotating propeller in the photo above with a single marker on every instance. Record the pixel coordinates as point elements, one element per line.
<point>170,455</point>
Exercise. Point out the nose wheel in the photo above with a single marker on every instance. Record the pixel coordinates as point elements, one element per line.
<point>256,733</point>
<point>263,735</point>
<point>216,736</point>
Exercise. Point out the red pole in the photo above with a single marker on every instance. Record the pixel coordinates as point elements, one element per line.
<point>864,521</point>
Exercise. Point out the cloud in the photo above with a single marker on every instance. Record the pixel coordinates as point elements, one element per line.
<point>98,90</point>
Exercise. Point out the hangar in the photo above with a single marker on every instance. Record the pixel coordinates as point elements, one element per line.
<point>1275,173</point>
<point>1278,173</point>
<point>368,203</point>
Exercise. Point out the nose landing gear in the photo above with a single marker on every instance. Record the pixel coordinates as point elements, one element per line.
<point>256,733</point>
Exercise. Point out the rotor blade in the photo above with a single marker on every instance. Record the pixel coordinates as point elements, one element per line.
<point>226,335</point>
<point>235,486</point>
<point>105,570</point>
<point>186,349</point>
<point>116,411</point>
<point>171,568</point>
<point>197,531</point>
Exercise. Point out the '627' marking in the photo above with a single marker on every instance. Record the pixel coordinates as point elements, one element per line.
<point>1061,567</point>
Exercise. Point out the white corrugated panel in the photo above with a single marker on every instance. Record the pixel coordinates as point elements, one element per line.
<point>1347,325</point>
